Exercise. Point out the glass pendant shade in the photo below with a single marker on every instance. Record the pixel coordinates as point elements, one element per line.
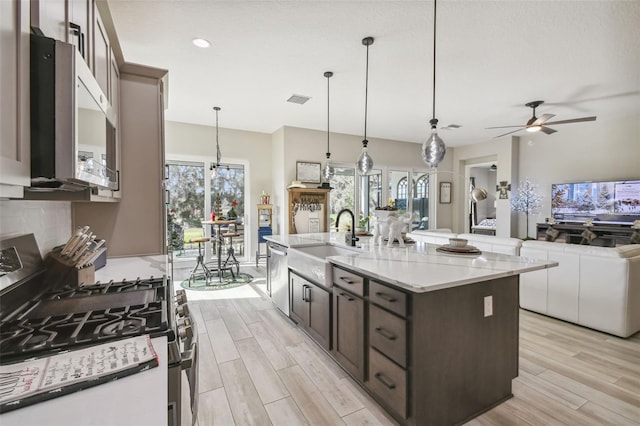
<point>365,162</point>
<point>433,149</point>
<point>328,170</point>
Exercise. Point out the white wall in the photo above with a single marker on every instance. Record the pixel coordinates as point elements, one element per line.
<point>503,152</point>
<point>252,147</point>
<point>311,145</point>
<point>49,221</point>
<point>602,150</point>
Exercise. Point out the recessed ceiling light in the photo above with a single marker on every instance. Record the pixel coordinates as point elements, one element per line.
<point>202,43</point>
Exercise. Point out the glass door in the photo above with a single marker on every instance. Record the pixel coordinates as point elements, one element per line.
<point>227,200</point>
<point>185,188</point>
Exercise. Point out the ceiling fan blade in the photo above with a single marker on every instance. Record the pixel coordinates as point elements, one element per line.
<point>499,136</point>
<point>504,127</point>
<point>573,120</point>
<point>540,121</point>
<point>547,130</point>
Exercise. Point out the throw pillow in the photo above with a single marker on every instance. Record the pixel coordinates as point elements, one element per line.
<point>635,237</point>
<point>552,234</point>
<point>588,236</point>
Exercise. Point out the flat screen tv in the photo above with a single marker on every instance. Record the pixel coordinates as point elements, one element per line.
<point>615,202</point>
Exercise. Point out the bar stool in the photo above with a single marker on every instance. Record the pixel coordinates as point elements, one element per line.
<point>230,234</point>
<point>200,261</point>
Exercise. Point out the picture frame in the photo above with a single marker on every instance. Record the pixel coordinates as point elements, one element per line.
<point>445,192</point>
<point>308,172</point>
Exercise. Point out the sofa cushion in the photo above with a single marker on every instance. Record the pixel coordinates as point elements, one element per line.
<point>432,236</point>
<point>494,244</point>
<point>631,250</point>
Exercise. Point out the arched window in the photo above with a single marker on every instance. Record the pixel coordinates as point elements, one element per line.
<point>402,189</point>
<point>422,187</point>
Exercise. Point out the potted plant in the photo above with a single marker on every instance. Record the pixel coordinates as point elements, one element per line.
<point>362,223</point>
<point>231,214</point>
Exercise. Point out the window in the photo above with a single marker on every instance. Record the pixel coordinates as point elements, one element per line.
<point>185,203</point>
<point>420,200</point>
<point>342,196</point>
<point>188,183</point>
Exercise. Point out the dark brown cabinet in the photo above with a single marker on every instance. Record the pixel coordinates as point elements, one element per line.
<point>311,309</point>
<point>348,331</point>
<point>435,357</point>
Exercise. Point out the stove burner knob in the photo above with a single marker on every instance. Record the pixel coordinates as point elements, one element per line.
<point>181,297</point>
<point>183,322</point>
<point>183,310</point>
<point>185,332</point>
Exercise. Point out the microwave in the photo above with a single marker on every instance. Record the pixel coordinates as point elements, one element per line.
<point>73,127</point>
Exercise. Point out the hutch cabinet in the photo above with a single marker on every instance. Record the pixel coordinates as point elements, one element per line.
<point>308,210</point>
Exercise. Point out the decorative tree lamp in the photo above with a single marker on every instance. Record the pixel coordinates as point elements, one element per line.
<point>526,200</point>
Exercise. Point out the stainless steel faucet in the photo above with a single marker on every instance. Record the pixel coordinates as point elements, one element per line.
<point>353,225</point>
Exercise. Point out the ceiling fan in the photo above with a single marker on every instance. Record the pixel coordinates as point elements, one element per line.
<point>536,124</point>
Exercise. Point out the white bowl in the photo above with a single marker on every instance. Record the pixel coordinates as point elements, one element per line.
<point>457,242</point>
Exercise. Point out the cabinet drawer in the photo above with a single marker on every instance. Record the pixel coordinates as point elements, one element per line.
<point>348,280</point>
<point>388,334</point>
<point>388,382</point>
<point>389,298</point>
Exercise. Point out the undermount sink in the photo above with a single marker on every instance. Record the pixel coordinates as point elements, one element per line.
<point>326,250</point>
<point>311,261</point>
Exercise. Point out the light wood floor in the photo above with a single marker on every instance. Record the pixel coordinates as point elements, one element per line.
<point>258,368</point>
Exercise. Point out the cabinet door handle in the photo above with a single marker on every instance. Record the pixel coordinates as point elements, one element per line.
<point>77,31</point>
<point>385,333</point>
<point>382,379</point>
<point>350,299</point>
<point>385,296</point>
<point>346,280</point>
<point>306,293</point>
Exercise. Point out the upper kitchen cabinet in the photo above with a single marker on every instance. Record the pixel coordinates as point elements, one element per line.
<point>70,21</point>
<point>14,98</point>
<point>80,30</point>
<point>101,54</point>
<point>50,16</point>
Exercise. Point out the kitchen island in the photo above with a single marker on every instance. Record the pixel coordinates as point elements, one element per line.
<point>432,336</point>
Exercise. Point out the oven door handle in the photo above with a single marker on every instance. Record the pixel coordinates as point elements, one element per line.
<point>189,363</point>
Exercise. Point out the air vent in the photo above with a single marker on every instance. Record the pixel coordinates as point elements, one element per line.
<point>298,99</point>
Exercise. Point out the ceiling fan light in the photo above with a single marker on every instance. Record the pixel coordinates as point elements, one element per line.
<point>365,162</point>
<point>533,129</point>
<point>433,149</point>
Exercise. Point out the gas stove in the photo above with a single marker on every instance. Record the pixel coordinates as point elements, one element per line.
<point>68,317</point>
<point>39,316</point>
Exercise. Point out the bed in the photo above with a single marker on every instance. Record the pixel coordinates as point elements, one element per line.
<point>485,227</point>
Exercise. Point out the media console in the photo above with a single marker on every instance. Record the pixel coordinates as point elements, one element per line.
<point>608,235</point>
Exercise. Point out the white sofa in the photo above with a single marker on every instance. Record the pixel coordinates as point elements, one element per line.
<point>483,242</point>
<point>597,287</point>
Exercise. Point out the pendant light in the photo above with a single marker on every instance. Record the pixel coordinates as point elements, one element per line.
<point>433,149</point>
<point>365,162</point>
<point>328,170</point>
<point>214,167</point>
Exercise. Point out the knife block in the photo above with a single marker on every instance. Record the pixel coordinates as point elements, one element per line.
<point>60,272</point>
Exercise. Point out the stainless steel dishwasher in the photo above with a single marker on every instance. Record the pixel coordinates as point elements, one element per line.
<point>278,276</point>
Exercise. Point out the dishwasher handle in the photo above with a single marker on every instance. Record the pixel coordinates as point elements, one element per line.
<point>278,251</point>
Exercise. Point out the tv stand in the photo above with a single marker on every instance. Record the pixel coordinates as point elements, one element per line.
<point>572,233</point>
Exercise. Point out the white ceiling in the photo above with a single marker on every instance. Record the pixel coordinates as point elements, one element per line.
<point>581,57</point>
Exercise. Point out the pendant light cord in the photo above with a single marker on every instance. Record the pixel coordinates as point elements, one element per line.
<point>366,94</point>
<point>217,139</point>
<point>435,3</point>
<point>328,75</point>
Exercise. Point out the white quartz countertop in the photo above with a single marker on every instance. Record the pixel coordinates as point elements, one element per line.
<point>417,267</point>
<point>139,399</point>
